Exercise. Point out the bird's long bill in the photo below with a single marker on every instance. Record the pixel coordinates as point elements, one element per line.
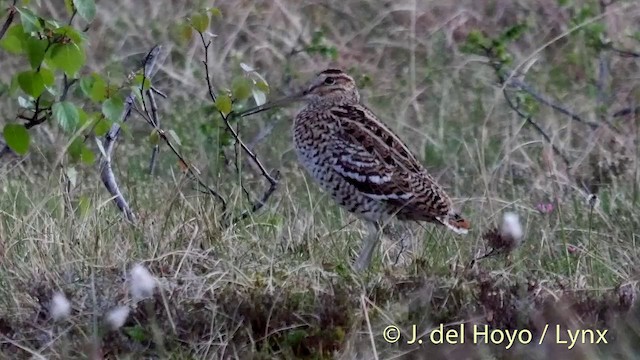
<point>272,104</point>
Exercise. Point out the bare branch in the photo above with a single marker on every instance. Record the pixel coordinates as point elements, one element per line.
<point>156,124</point>
<point>152,118</point>
<point>191,171</point>
<point>626,53</point>
<point>106,171</point>
<point>67,84</point>
<point>537,127</point>
<point>626,111</point>
<point>107,146</point>
<point>550,103</point>
<point>273,180</point>
<point>10,17</point>
<point>260,203</point>
<point>514,81</point>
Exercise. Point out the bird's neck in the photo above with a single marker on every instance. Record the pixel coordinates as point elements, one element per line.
<point>332,101</point>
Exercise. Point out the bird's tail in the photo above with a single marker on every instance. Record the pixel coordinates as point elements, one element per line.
<point>456,223</point>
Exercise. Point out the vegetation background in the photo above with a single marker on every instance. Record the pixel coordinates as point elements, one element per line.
<point>524,107</point>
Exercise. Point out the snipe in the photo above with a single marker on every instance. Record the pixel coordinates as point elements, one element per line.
<point>361,163</point>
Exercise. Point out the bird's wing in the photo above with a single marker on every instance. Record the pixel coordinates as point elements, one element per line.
<point>376,162</point>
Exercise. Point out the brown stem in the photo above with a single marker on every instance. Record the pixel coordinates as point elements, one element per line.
<point>10,17</point>
<point>107,146</point>
<point>273,180</point>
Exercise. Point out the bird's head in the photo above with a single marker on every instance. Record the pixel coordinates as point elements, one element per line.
<point>328,87</point>
<point>331,85</point>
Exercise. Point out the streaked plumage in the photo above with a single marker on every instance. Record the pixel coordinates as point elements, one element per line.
<point>361,163</point>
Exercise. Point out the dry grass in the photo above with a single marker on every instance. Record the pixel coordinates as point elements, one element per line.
<point>279,285</point>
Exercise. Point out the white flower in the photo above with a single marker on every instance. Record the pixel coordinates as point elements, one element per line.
<point>116,317</point>
<point>142,282</point>
<point>511,227</point>
<point>60,307</point>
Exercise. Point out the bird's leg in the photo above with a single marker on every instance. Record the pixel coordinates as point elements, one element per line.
<point>370,242</point>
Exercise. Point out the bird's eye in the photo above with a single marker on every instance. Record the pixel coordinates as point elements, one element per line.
<point>329,81</point>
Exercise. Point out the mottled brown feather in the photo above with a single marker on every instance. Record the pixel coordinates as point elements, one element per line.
<point>361,162</point>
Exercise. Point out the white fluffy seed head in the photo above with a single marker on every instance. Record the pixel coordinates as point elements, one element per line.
<point>511,227</point>
<point>142,283</point>
<point>116,317</point>
<point>60,307</point>
<point>593,201</point>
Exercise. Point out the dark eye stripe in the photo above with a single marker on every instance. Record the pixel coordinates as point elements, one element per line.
<point>342,77</point>
<point>332,72</point>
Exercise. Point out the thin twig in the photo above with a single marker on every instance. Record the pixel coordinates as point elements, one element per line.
<point>550,103</point>
<point>230,128</point>
<point>106,171</point>
<point>151,116</point>
<point>626,111</point>
<point>156,124</point>
<point>109,142</point>
<point>73,15</point>
<point>519,84</point>
<point>11,15</point>
<point>537,127</point>
<point>626,53</point>
<point>192,172</point>
<point>273,180</point>
<point>67,84</point>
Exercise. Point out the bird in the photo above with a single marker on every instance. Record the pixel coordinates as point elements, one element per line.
<point>361,163</point>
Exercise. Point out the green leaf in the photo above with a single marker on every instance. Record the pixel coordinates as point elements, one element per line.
<point>35,49</point>
<point>263,86</point>
<point>200,21</point>
<point>67,57</point>
<point>175,137</point>
<point>112,108</point>
<point>87,156</point>
<point>75,150</point>
<point>70,32</point>
<point>30,21</point>
<point>181,32</point>
<point>138,81</point>
<point>241,88</point>
<point>47,76</point>
<point>215,12</point>
<point>259,97</point>
<point>154,137</point>
<point>17,138</point>
<point>102,126</point>
<point>137,333</point>
<point>14,39</point>
<point>514,32</point>
<point>83,117</point>
<point>68,4</point>
<point>94,87</point>
<point>67,115</point>
<point>31,82</point>
<point>86,9</point>
<point>223,104</point>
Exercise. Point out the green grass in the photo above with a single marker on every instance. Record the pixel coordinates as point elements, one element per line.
<point>279,284</point>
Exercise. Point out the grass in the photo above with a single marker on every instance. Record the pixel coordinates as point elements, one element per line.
<point>279,284</point>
